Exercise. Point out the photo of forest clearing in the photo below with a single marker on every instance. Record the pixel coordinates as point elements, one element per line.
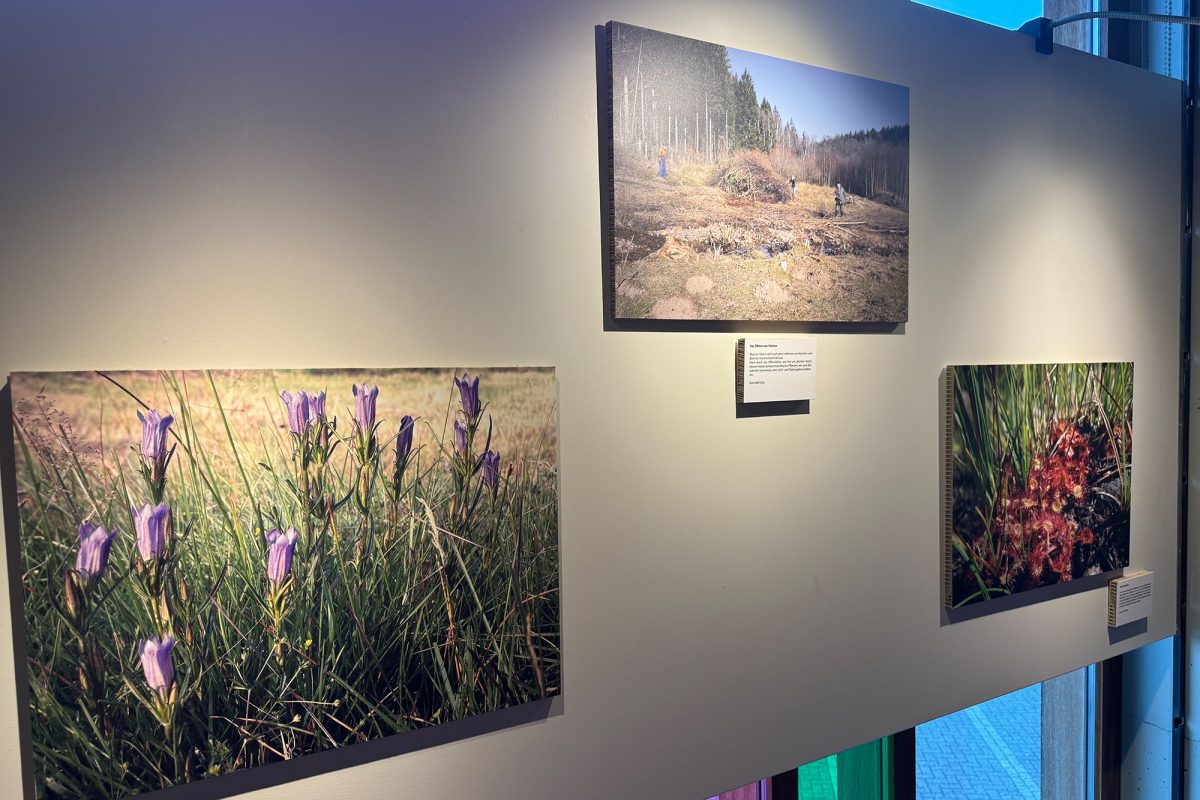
<point>747,187</point>
<point>222,570</point>
<point>1042,459</point>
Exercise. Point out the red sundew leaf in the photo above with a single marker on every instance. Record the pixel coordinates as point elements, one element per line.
<point>1036,566</point>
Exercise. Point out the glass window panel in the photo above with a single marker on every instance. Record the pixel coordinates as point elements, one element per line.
<point>1154,46</point>
<point>992,749</point>
<point>1028,745</point>
<point>1010,14</point>
<point>819,779</point>
<point>860,773</point>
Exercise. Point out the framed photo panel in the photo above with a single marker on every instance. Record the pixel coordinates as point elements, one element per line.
<point>1039,472</point>
<point>746,187</point>
<point>227,569</point>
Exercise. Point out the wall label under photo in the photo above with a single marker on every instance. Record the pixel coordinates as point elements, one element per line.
<point>774,370</point>
<point>1130,598</point>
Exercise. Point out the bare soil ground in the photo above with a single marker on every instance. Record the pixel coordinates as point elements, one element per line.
<point>688,250</point>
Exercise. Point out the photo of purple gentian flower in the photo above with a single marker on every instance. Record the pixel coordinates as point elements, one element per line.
<point>157,664</point>
<point>460,438</point>
<point>404,439</point>
<point>92,559</point>
<point>299,411</point>
<point>468,394</point>
<point>316,405</point>
<point>364,406</point>
<point>154,435</point>
<point>491,469</point>
<point>426,590</point>
<point>279,555</point>
<point>150,523</point>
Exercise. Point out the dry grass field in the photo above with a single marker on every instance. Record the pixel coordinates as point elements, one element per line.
<point>99,410</point>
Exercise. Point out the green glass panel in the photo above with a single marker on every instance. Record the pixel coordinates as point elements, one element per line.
<point>859,772</point>
<point>819,780</point>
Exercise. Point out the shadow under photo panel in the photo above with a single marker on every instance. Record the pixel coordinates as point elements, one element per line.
<point>1038,477</point>
<point>751,188</point>
<point>223,570</point>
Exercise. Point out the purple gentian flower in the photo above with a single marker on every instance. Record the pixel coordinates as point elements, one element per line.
<point>279,555</point>
<point>491,469</point>
<point>156,662</point>
<point>364,406</point>
<point>460,438</point>
<point>316,404</point>
<point>298,410</point>
<point>151,524</point>
<point>468,392</point>
<point>404,439</point>
<point>154,435</point>
<point>92,559</point>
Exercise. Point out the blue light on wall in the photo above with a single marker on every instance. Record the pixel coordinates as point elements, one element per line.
<point>1010,14</point>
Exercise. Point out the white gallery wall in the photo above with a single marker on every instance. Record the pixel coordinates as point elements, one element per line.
<point>279,184</point>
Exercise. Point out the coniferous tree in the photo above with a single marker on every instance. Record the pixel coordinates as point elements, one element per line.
<point>683,94</point>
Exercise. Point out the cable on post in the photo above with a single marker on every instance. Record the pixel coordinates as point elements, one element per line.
<point>1042,29</point>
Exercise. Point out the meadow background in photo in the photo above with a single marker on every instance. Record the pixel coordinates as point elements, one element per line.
<point>725,173</point>
<point>1041,459</point>
<point>227,569</point>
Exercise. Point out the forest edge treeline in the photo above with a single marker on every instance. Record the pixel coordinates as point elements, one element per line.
<point>683,94</point>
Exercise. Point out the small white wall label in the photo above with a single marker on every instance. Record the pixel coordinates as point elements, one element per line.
<point>1129,598</point>
<point>771,370</point>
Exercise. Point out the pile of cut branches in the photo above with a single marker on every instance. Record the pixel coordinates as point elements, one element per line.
<point>749,174</point>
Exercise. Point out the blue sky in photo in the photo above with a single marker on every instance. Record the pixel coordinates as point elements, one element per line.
<point>1010,14</point>
<point>822,102</point>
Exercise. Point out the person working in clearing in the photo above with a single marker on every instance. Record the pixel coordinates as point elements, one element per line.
<point>839,200</point>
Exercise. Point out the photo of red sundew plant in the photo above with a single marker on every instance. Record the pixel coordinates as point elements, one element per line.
<point>222,570</point>
<point>1042,458</point>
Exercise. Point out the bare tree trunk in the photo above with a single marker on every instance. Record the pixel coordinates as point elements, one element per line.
<point>625,117</point>
<point>707,131</point>
<point>639,89</point>
<point>654,112</point>
<point>643,116</point>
